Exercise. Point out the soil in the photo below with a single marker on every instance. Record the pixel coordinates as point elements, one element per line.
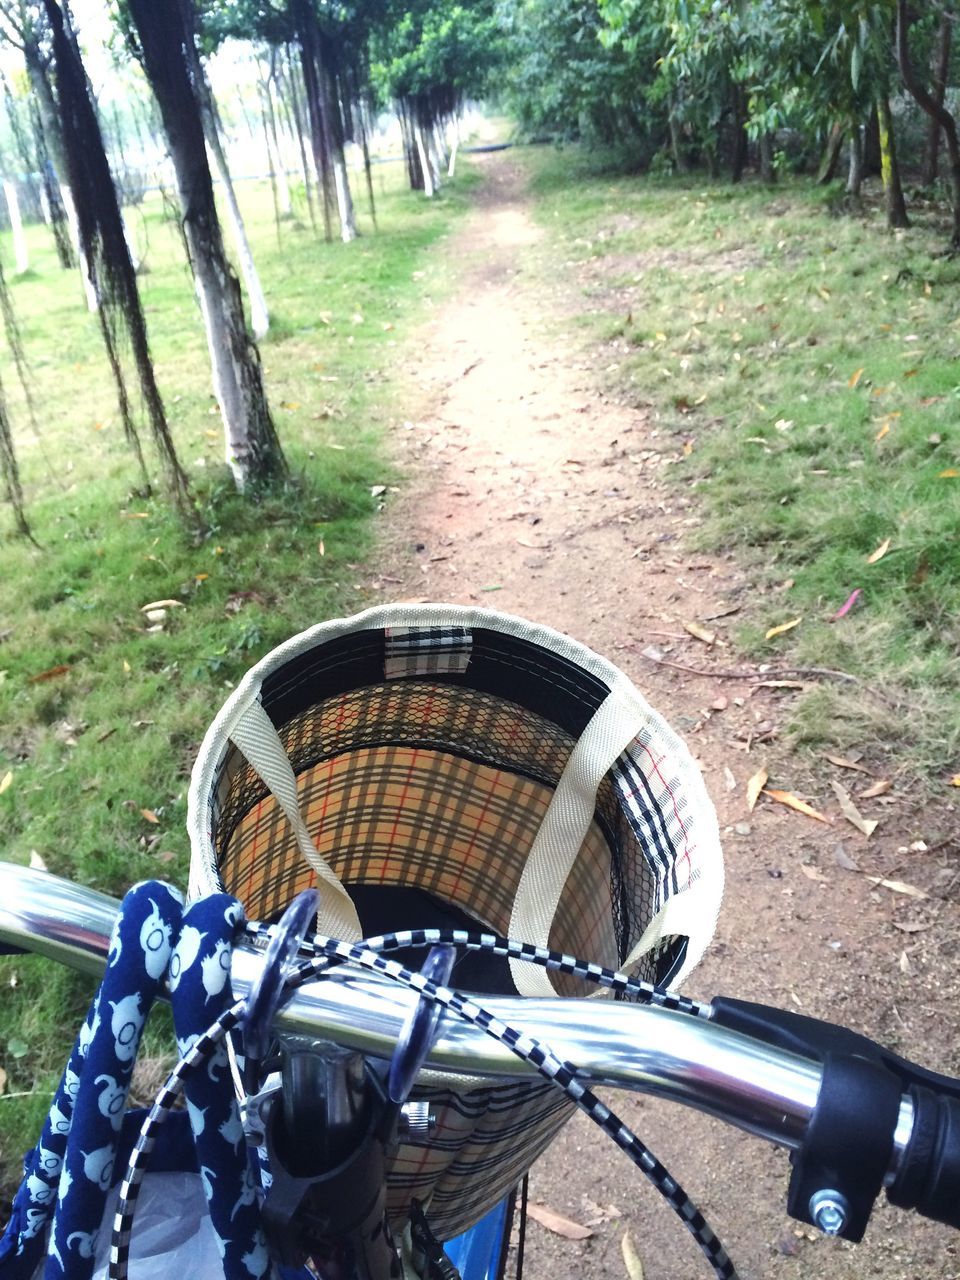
<point>533,489</point>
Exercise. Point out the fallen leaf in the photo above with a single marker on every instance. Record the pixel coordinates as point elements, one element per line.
<point>905,965</point>
<point>162,604</point>
<point>814,873</point>
<point>843,859</point>
<point>950,474</point>
<point>884,431</point>
<point>784,626</point>
<point>3,1080</point>
<point>377,489</point>
<point>6,781</point>
<point>779,684</point>
<point>879,788</point>
<point>149,815</point>
<point>843,762</point>
<point>848,604</point>
<point>912,926</point>
<point>126,667</point>
<point>701,633</point>
<point>321,548</point>
<point>534,546</point>
<point>728,778</point>
<point>880,552</point>
<point>720,704</point>
<point>851,812</point>
<point>855,378</point>
<point>794,802</point>
<point>754,787</point>
<point>557,1223</point>
<point>631,1259</point>
<point>687,448</point>
<point>955,780</point>
<point>53,673</point>
<point>725,612</point>
<point>898,886</point>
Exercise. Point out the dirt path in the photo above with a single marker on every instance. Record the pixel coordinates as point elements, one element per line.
<point>534,493</point>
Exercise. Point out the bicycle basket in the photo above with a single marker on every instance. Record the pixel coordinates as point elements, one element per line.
<point>461,759</point>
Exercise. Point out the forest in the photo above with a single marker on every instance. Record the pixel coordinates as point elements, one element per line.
<point>232,400</point>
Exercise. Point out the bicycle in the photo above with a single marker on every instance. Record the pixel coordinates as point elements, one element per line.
<point>856,1118</point>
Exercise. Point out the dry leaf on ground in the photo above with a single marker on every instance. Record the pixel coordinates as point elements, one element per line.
<point>814,873</point>
<point>6,781</point>
<point>3,1080</point>
<point>794,802</point>
<point>557,1223</point>
<point>852,814</point>
<point>784,626</point>
<point>52,673</point>
<point>631,1259</point>
<point>149,815</point>
<point>162,604</point>
<point>898,886</point>
<point>843,762</point>
<point>755,786</point>
<point>701,633</point>
<point>879,788</point>
<point>880,552</point>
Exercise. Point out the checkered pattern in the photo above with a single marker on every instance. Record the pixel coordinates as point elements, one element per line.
<point>425,651</point>
<point>428,744</point>
<point>562,1076</point>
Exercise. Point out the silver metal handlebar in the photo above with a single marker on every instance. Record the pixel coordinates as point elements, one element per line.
<point>765,1091</point>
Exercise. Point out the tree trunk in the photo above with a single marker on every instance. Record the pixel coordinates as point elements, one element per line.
<point>936,111</point>
<point>889,167</point>
<point>259,313</point>
<point>334,141</point>
<point>738,161</point>
<point>105,249</point>
<point>305,25</point>
<point>273,144</point>
<point>298,126</point>
<point>20,252</point>
<point>939,71</point>
<point>53,134</point>
<point>428,185</point>
<point>871,145</point>
<point>768,168</point>
<point>677,147</point>
<point>855,170</point>
<point>253,450</point>
<point>831,155</point>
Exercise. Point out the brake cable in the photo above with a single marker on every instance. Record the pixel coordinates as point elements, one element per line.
<point>563,1075</point>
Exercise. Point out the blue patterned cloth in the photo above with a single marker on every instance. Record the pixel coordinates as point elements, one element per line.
<point>60,1203</point>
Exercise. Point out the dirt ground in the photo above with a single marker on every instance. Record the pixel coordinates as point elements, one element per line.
<point>532,490</point>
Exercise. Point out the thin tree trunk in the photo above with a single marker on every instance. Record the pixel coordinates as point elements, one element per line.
<point>452,166</point>
<point>298,125</point>
<point>53,133</point>
<point>890,168</point>
<point>367,169</point>
<point>334,142</point>
<point>768,168</point>
<point>273,141</point>
<point>425,169</point>
<point>305,24</point>
<point>855,169</point>
<point>739,158</point>
<point>253,450</point>
<point>271,164</point>
<point>259,313</point>
<point>20,252</point>
<point>940,69</point>
<point>831,155</point>
<point>936,111</point>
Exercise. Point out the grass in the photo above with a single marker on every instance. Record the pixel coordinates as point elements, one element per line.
<point>802,366</point>
<point>101,710</point>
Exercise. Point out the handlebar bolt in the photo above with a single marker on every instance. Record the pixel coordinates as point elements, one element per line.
<point>417,1123</point>
<point>829,1211</point>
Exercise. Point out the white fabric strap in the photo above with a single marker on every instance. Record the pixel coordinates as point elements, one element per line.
<point>255,736</point>
<point>611,729</point>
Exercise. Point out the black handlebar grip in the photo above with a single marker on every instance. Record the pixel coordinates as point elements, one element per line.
<point>928,1178</point>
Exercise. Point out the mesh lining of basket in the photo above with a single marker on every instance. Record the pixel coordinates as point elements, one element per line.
<point>501,767</point>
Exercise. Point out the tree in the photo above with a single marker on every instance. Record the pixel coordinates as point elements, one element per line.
<point>106,252</point>
<point>253,449</point>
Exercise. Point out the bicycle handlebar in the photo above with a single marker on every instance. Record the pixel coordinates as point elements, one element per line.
<point>754,1083</point>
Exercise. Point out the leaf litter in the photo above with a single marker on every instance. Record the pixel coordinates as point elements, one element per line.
<point>557,1223</point>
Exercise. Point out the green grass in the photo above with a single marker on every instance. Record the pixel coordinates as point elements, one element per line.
<point>103,747</point>
<point>808,362</point>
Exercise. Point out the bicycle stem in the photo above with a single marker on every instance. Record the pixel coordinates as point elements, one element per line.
<point>768,1092</point>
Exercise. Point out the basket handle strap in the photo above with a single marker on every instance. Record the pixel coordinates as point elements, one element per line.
<point>611,729</point>
<point>256,737</point>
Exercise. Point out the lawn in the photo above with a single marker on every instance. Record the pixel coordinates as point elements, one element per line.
<point>102,705</point>
<point>800,361</point>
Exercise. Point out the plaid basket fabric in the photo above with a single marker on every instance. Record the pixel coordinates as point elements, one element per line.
<point>428,744</point>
